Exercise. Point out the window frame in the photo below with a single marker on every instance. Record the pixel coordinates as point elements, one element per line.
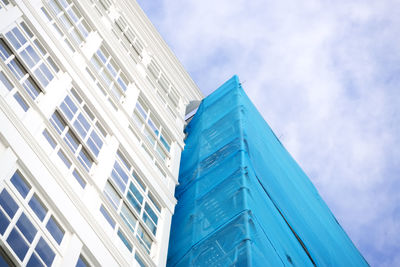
<point>141,226</point>
<point>68,130</point>
<point>100,66</point>
<point>148,123</point>
<point>43,57</point>
<point>77,31</point>
<point>25,210</point>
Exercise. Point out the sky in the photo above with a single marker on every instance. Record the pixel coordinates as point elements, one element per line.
<point>326,77</point>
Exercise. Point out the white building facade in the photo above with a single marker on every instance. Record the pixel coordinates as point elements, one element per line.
<point>92,112</point>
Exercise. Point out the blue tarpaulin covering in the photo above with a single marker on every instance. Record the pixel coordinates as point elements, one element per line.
<point>243,200</point>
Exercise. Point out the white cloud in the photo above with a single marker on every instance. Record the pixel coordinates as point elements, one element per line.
<point>325,75</point>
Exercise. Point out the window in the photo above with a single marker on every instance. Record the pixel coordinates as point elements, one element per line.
<point>128,38</point>
<point>79,128</point>
<point>132,200</point>
<point>101,89</point>
<point>26,215</point>
<point>64,158</point>
<point>60,34</point>
<point>27,60</point>
<point>70,138</point>
<point>165,89</point>
<point>152,129</point>
<point>111,74</point>
<point>71,19</point>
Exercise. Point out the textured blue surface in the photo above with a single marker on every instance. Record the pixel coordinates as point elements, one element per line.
<point>243,200</point>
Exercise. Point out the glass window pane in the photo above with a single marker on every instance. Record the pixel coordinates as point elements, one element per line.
<point>71,140</point>
<point>122,84</point>
<point>79,178</point>
<point>26,29</point>
<point>84,28</point>
<point>67,23</point>
<point>8,203</point>
<point>96,139</point>
<point>17,69</point>
<point>64,158</point>
<point>101,129</point>
<point>53,64</point>
<point>106,77</point>
<point>19,35</point>
<point>85,159</point>
<point>14,42</point>
<point>6,81</point>
<point>26,227</point>
<point>149,136</point>
<point>101,56</point>
<point>128,217</point>
<point>107,216</point>
<point>4,222</point>
<point>38,208</point>
<point>93,147</point>
<point>123,160</point>
<point>144,238</point>
<point>136,192</point>
<point>135,204</point>
<point>116,92</point>
<point>20,184</point>
<point>78,127</point>
<point>166,145</point>
<point>45,252</point>
<point>34,261</point>
<point>154,201</point>
<point>27,59</point>
<point>49,139</point>
<point>41,78</point>
<point>67,112</point>
<point>31,87</point>
<point>83,121</point>
<point>55,230</point>
<point>64,3</point>
<point>32,54</point>
<point>138,180</point>
<point>125,241</point>
<point>39,47</point>
<point>151,213</point>
<point>121,172</point>
<point>112,195</point>
<point>116,178</point>
<point>96,63</point>
<point>71,105</point>
<point>141,110</point>
<point>88,112</point>
<point>111,68</point>
<point>152,126</point>
<point>46,72</point>
<point>149,223</point>
<point>55,6</point>
<point>21,101</point>
<point>77,97</point>
<point>72,15</point>
<point>18,244</point>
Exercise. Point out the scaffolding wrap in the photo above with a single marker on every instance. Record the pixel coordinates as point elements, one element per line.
<point>243,200</point>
